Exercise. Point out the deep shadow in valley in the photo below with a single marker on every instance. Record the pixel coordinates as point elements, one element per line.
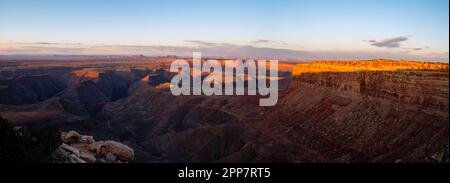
<point>357,116</point>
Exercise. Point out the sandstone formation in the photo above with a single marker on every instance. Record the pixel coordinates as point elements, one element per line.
<point>369,65</point>
<point>355,111</point>
<point>78,148</point>
<point>363,115</point>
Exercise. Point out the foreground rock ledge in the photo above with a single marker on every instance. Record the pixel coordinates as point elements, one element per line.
<point>78,148</point>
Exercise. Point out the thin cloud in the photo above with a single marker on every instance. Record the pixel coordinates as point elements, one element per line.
<point>389,43</point>
<point>416,49</point>
<point>46,43</point>
<point>259,41</point>
<point>201,43</point>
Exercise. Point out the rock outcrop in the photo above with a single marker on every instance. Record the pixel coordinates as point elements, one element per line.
<point>367,111</point>
<point>78,148</point>
<point>414,83</point>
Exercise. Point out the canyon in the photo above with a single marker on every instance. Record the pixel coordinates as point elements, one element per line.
<point>327,111</point>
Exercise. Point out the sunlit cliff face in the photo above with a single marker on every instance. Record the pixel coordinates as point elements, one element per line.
<point>371,65</point>
<point>86,73</point>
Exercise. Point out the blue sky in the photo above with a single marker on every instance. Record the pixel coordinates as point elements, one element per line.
<point>340,28</point>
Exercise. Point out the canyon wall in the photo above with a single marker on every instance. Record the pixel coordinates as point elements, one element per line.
<point>367,111</point>
<point>359,111</point>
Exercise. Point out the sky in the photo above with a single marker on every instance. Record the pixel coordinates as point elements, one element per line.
<point>300,29</point>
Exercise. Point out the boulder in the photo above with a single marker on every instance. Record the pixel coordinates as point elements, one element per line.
<point>110,157</point>
<point>71,137</point>
<point>74,158</point>
<point>87,157</point>
<point>71,150</point>
<point>87,139</point>
<point>121,151</point>
<point>78,148</point>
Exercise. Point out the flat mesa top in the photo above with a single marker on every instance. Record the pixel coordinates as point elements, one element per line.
<point>369,65</point>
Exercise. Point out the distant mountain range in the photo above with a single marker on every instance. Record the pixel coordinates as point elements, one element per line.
<point>76,57</point>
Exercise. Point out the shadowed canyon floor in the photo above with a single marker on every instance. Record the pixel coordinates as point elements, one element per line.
<point>327,111</point>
